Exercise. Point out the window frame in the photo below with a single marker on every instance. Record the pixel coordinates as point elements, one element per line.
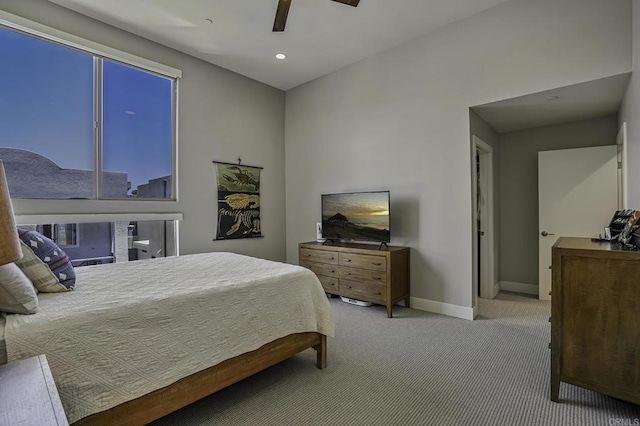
<point>100,52</point>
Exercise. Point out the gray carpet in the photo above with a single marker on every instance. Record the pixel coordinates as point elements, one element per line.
<point>417,369</point>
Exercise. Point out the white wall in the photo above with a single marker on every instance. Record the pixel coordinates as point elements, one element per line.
<point>400,121</point>
<point>519,187</point>
<point>222,116</point>
<point>629,112</point>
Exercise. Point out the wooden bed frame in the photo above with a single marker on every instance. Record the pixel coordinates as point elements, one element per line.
<point>161,402</point>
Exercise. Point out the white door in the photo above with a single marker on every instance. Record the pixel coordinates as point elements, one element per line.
<point>623,192</point>
<point>577,196</point>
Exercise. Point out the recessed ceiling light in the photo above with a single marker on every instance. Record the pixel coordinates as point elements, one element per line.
<point>281,56</point>
<point>552,98</point>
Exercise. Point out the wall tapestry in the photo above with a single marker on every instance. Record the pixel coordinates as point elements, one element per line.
<point>238,201</point>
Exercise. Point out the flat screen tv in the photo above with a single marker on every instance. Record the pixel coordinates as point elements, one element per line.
<point>356,216</point>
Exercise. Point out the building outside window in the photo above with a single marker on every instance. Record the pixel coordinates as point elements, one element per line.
<point>65,235</point>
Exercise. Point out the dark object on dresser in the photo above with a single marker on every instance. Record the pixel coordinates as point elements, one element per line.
<point>622,218</point>
<point>595,318</point>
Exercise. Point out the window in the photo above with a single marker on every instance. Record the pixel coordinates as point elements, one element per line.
<point>137,130</point>
<point>65,235</point>
<point>109,242</point>
<point>78,125</point>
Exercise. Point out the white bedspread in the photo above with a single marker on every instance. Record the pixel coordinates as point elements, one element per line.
<point>131,328</point>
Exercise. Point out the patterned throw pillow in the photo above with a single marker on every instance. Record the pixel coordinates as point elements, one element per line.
<point>38,272</point>
<point>45,263</point>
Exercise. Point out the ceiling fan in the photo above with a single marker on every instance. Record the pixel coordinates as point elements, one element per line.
<point>283,11</point>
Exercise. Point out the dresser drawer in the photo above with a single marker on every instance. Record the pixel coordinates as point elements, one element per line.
<point>321,268</point>
<point>368,275</point>
<point>370,292</point>
<point>376,263</point>
<point>318,256</point>
<point>329,284</point>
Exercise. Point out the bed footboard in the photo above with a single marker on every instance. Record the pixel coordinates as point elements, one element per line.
<point>159,403</point>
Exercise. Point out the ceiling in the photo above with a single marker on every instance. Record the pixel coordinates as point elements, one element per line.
<point>597,98</point>
<point>321,36</point>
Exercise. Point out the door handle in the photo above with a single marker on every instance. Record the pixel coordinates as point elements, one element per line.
<point>545,233</point>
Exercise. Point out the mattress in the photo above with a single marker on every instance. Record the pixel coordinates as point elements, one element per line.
<point>131,328</point>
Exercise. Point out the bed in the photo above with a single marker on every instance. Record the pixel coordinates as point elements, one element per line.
<point>138,340</point>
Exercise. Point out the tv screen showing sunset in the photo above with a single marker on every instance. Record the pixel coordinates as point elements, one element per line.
<point>361,216</point>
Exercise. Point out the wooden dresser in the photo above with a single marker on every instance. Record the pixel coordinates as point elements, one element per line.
<point>595,318</point>
<point>28,395</point>
<point>360,271</point>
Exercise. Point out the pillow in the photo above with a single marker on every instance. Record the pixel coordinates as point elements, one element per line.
<point>46,264</point>
<point>38,272</point>
<point>17,295</point>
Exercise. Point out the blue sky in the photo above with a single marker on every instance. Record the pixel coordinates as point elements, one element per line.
<point>46,106</point>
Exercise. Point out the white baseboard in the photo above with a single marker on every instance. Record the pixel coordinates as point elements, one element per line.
<point>495,290</point>
<point>519,287</point>
<point>443,308</point>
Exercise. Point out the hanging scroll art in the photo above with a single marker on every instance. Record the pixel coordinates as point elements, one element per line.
<point>238,201</point>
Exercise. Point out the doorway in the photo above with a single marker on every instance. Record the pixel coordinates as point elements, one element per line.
<point>518,128</point>
<point>484,283</point>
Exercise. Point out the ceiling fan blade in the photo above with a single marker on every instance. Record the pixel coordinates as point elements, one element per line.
<point>353,3</point>
<point>281,15</point>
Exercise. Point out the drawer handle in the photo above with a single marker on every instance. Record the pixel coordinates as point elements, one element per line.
<point>306,254</point>
<point>333,271</point>
<point>376,264</point>
<point>377,278</point>
<point>347,260</point>
<point>379,293</point>
<point>331,258</point>
<point>349,286</point>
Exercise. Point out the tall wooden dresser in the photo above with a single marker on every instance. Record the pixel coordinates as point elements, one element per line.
<point>360,271</point>
<point>595,318</point>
